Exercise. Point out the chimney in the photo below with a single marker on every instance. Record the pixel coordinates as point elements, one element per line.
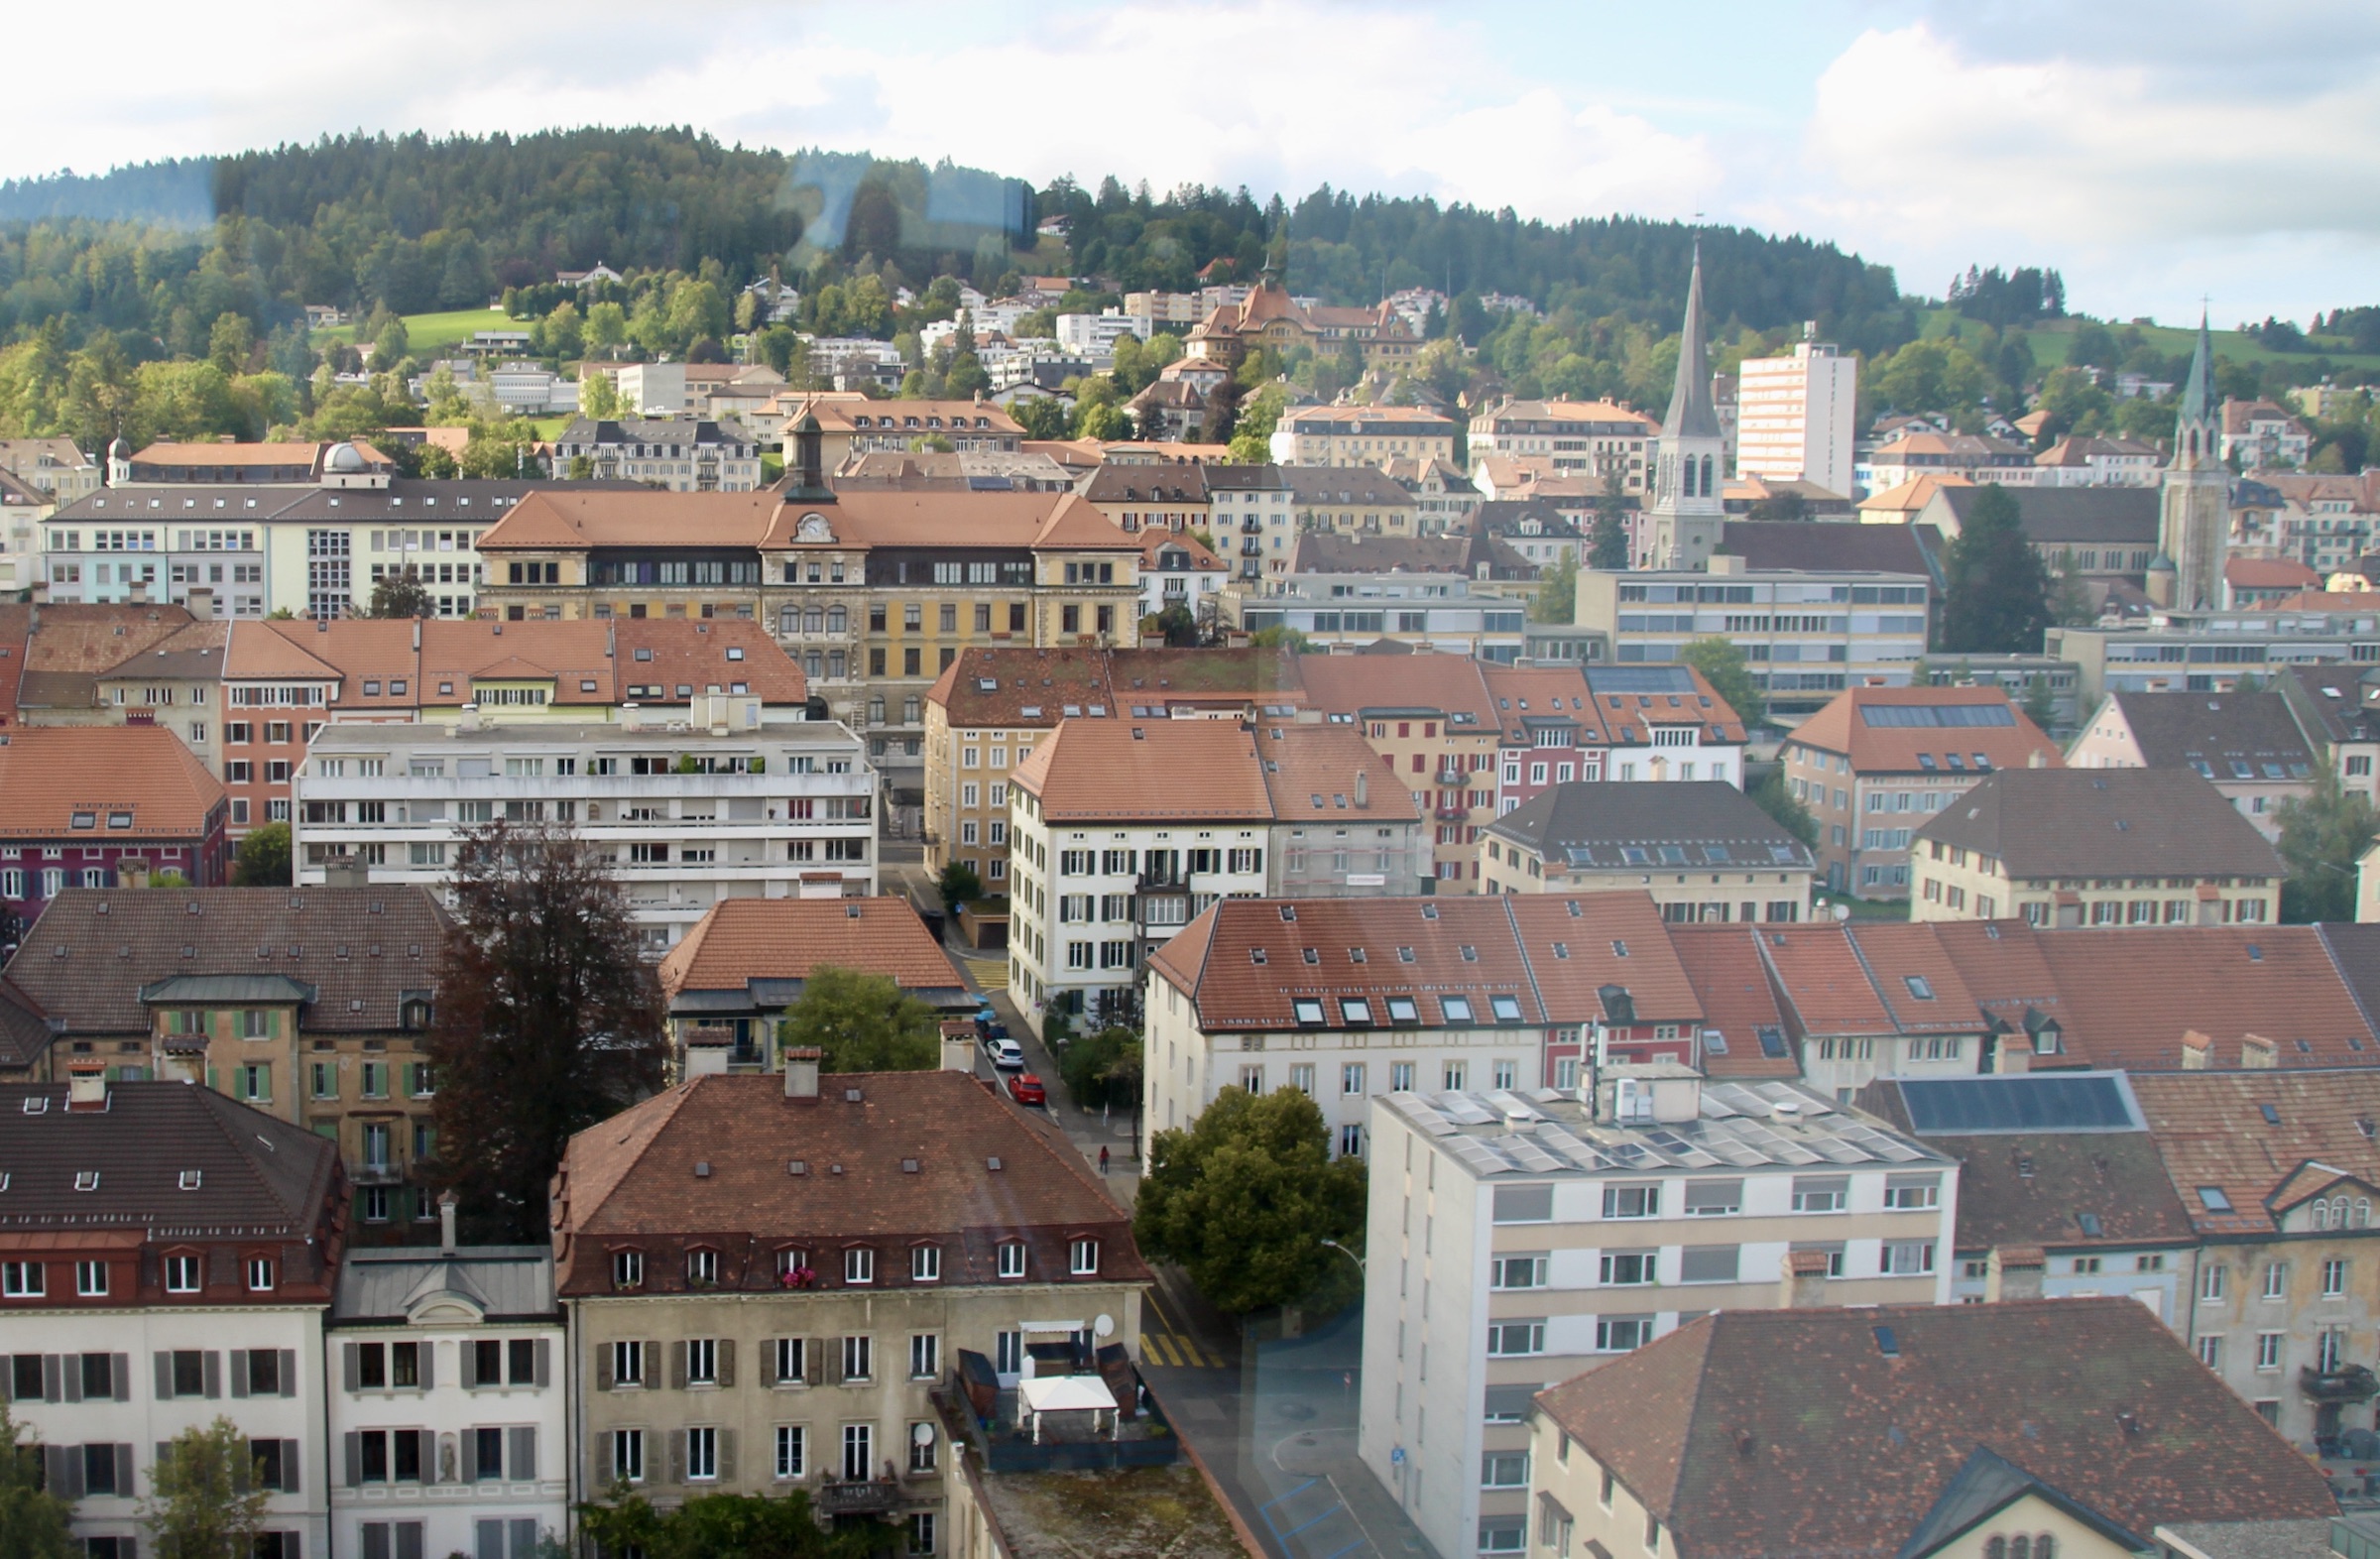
<point>446,1206</point>
<point>86,1086</point>
<point>2013,1273</point>
<point>801,1072</point>
<point>2198,1052</point>
<point>1805,1282</point>
<point>1363,790</point>
<point>2256,1053</point>
<point>957,1046</point>
<point>201,603</point>
<point>2012,1056</point>
<point>467,718</point>
<point>139,595</point>
<point>41,598</point>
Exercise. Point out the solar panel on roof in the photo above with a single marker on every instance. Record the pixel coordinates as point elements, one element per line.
<point>1641,679</point>
<point>2029,1102</point>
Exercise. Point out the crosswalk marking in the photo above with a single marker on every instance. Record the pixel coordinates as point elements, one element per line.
<point>1174,1349</point>
<point>991,974</point>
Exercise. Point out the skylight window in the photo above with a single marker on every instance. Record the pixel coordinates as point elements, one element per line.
<point>1403,1010</point>
<point>1506,1007</point>
<point>1308,1009</point>
<point>1919,987</point>
<point>1354,1009</point>
<point>2211,1198</point>
<point>1456,1007</point>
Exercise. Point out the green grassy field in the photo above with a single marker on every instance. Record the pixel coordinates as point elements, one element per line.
<point>2047,342</point>
<point>425,334</point>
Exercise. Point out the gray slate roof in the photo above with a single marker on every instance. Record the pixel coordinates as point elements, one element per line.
<point>503,1280</point>
<point>1595,825</point>
<point>2219,733</point>
<point>2084,516</point>
<point>2105,822</point>
<point>256,1173</point>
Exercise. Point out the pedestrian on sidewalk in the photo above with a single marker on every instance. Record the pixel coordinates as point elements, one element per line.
<point>1102,1158</point>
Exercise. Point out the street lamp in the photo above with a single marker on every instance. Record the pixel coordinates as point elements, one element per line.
<point>1349,1254</point>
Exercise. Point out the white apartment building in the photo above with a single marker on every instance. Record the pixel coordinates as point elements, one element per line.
<point>688,812</point>
<point>168,1268</point>
<point>448,1413</point>
<point>1808,633</point>
<point>1095,336</point>
<point>1427,611</point>
<point>1795,415</point>
<point>1518,1237</point>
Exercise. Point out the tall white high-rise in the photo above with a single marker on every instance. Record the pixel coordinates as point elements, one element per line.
<point>1794,415</point>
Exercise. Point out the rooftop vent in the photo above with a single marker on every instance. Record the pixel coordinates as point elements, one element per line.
<point>797,1166</point>
<point>849,1096</point>
<point>908,1166</point>
<point>702,1170</point>
<point>992,1163</point>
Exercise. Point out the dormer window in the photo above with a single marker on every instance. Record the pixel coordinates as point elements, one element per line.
<point>86,1179</point>
<point>859,1264</point>
<point>190,1179</point>
<point>1012,1259</point>
<point>703,1267</point>
<point>627,1268</point>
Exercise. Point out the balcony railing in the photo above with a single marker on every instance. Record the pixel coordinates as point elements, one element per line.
<point>876,1496</point>
<point>2346,1383</point>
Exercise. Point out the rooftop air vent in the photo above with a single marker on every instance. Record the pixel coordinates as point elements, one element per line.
<point>797,1166</point>
<point>702,1170</point>
<point>849,1096</point>
<point>992,1163</point>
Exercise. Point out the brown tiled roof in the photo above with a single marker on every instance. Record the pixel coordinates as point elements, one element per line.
<point>257,1175</point>
<point>1731,986</point>
<point>16,627</point>
<point>633,1180</point>
<point>1179,771</point>
<point>2269,573</point>
<point>2104,822</point>
<point>1308,767</point>
<point>1845,726</point>
<point>1042,681</point>
<point>1761,1432</point>
<point>717,652</point>
<point>87,957</point>
<point>2355,953</point>
<point>2002,964</point>
<point>283,648</point>
<point>740,940</point>
<point>191,653</point>
<point>1440,684</point>
<point>1210,678</point>
<point>2130,995</point>
<point>50,774</point>
<point>2219,730</point>
<point>1167,483</point>
<point>1653,696</point>
<point>1824,983</point>
<point>1155,542</point>
<point>567,519</point>
<point>1574,947</point>
<point>1215,962</point>
<point>71,644</point>
<point>1916,979</point>
<point>2213,1132</point>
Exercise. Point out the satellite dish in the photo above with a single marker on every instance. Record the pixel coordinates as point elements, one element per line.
<point>921,1434</point>
<point>1105,1326</point>
<point>1843,912</point>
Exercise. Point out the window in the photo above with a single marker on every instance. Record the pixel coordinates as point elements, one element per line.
<point>702,1360</point>
<point>1517,1271</point>
<point>2268,1350</point>
<point>859,1452</point>
<point>1631,1200</point>
<point>925,1355</point>
<point>21,1279</point>
<point>791,1451</point>
<point>1907,1258</point>
<point>182,1274</point>
<point>627,1364</point>
<point>1617,1334</point>
<point>2335,1279</point>
<point>859,1358</point>
<point>2275,1279</point>
<point>260,1275</point>
<point>1505,1469</point>
<point>923,1446</point>
<point>1350,1078</point>
<point>91,1279</point>
<point>1827,1193</point>
<point>921,1531</point>
<point>1628,1269</point>
<point>1515,1339</point>
<point>859,1264</point>
<point>1083,1259</point>
<point>2213,1281</point>
<point>1714,1198</point>
<point>925,1264</point>
<point>1911,1193</point>
<point>703,1267</point>
<point>2211,1352</point>
<point>1012,1259</point>
<point>703,1455</point>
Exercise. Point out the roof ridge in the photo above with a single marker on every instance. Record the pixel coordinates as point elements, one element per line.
<point>1884,997</point>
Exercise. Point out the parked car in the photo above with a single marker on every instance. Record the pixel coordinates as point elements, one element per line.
<point>990,1028</point>
<point>1026,1089</point>
<point>1006,1055</point>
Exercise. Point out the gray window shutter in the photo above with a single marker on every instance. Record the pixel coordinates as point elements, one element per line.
<point>727,1360</point>
<point>430,1359</point>
<point>427,1442</point>
<point>52,1378</point>
<point>124,1471</point>
<point>521,1454</point>
<point>524,1536</point>
<point>291,1483</point>
<point>121,1374</point>
<point>545,1363</point>
<point>214,1375</point>
<point>470,1439</point>
<point>348,1356</point>
<point>408,1540</point>
<point>652,1363</point>
<point>291,1543</point>
<point>239,1371</point>
<point>70,1378</point>
<point>467,1352</point>
<point>727,1454</point>
<point>165,1377</point>
<point>487,1538</point>
<point>289,1387</point>
<point>66,1472</point>
<point>834,1359</point>
<point>768,1347</point>
<point>129,1547</point>
<point>354,1452</point>
<point>677,1455</point>
<point>603,1367</point>
<point>677,1366</point>
<point>814,1350</point>
<point>606,1468</point>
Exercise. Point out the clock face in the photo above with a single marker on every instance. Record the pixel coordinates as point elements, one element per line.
<point>815,528</point>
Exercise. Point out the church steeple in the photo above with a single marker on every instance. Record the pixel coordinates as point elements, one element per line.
<point>1686,521</point>
<point>2194,531</point>
<point>2196,436</point>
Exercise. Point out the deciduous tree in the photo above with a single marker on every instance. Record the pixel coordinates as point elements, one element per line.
<point>34,1522</point>
<point>401,594</point>
<point>725,1526</point>
<point>1722,667</point>
<point>862,1023</point>
<point>264,857</point>
<point>1244,1200</point>
<point>549,1018</point>
<point>206,1502</point>
<point>1557,597</point>
<point>2323,834</point>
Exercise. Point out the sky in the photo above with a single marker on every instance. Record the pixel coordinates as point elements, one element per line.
<point>2155,151</point>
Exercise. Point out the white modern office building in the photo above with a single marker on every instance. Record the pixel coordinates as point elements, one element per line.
<point>1794,415</point>
<point>688,812</point>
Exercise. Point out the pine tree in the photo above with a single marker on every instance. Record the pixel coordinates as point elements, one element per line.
<point>1996,592</point>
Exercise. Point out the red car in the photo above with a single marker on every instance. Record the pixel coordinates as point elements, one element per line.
<point>1026,1089</point>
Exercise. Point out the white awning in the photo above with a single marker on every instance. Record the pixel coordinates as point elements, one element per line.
<point>1068,1327</point>
<point>1059,1393</point>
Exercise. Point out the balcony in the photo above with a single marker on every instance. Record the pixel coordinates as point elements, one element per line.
<point>1453,814</point>
<point>2346,1383</point>
<point>1251,527</point>
<point>877,1497</point>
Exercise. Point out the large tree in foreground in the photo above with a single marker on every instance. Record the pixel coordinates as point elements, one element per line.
<point>1995,595</point>
<point>1730,676</point>
<point>2323,834</point>
<point>548,1020</point>
<point>1244,1199</point>
<point>863,1022</point>
<point>34,1522</point>
<point>206,1500</point>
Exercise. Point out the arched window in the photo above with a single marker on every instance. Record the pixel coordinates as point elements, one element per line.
<point>834,619</point>
<point>2020,1547</point>
<point>1707,487</point>
<point>1996,1548</point>
<point>2321,1214</point>
<point>2362,1216</point>
<point>812,621</point>
<point>2045,1547</point>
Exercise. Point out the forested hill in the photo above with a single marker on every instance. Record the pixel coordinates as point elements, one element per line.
<point>417,223</point>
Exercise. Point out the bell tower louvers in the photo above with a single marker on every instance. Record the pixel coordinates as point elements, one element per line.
<point>2194,504</point>
<point>1684,525</point>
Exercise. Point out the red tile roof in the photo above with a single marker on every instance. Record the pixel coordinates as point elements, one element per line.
<point>1845,726</point>
<point>1109,770</point>
<point>739,941</point>
<point>1916,979</point>
<point>1823,980</point>
<point>634,1181</point>
<point>50,775</point>
<point>2130,995</point>
<point>2212,1132</point>
<point>1731,986</point>
<point>1574,949</point>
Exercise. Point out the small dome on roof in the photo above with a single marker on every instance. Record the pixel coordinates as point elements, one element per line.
<point>344,458</point>
<point>118,450</point>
